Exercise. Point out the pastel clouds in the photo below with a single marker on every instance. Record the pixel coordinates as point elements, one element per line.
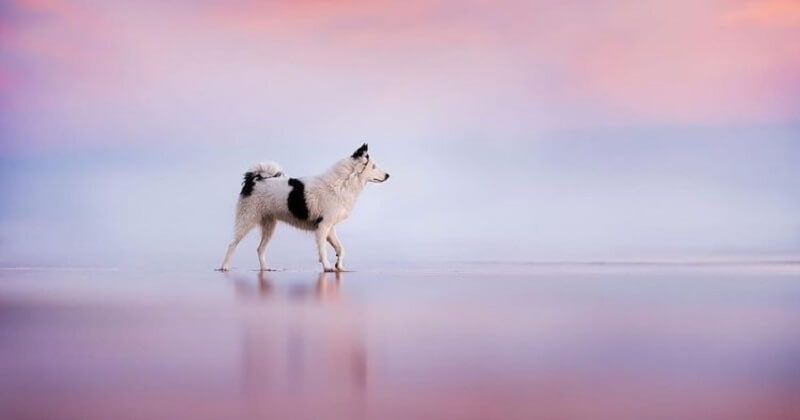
<point>770,13</point>
<point>552,64</point>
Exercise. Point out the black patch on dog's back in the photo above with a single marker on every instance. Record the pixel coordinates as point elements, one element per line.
<point>249,183</point>
<point>319,219</point>
<point>297,199</point>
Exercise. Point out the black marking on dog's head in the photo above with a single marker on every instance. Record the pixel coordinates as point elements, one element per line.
<point>297,199</point>
<point>360,151</point>
<point>319,219</point>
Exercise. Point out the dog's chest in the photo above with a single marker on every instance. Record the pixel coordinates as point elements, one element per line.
<point>343,214</point>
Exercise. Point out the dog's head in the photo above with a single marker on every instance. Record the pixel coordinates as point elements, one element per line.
<point>370,170</point>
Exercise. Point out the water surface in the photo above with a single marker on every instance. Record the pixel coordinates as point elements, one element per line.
<point>473,341</point>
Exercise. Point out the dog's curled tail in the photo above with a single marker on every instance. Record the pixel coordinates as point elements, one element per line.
<point>266,170</point>
<point>257,173</point>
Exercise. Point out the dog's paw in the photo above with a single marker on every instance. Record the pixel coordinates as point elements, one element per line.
<point>328,270</point>
<point>339,268</point>
<point>270,269</point>
<point>222,269</point>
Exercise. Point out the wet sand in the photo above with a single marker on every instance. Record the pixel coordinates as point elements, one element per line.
<point>482,341</point>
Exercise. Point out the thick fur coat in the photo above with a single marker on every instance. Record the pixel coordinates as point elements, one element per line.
<point>316,203</point>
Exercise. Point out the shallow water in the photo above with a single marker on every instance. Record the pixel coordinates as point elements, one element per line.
<point>473,341</point>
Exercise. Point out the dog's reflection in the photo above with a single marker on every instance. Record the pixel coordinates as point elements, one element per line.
<point>326,289</point>
<point>302,336</point>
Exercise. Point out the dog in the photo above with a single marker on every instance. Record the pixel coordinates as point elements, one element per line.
<point>316,203</point>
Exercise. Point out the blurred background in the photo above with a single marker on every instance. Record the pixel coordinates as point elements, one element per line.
<point>514,131</point>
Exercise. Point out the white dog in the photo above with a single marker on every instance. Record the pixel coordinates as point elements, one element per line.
<point>315,203</point>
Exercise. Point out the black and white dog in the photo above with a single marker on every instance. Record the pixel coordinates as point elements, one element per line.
<point>316,203</point>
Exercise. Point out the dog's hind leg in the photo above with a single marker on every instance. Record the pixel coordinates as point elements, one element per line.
<point>267,229</point>
<point>241,230</point>
<point>337,246</point>
<point>321,234</point>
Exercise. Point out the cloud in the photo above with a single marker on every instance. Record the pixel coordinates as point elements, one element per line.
<point>154,69</point>
<point>766,13</point>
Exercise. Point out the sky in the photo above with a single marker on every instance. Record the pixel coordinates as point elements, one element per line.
<point>514,131</point>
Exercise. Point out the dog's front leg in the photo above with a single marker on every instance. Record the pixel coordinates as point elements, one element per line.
<point>333,239</point>
<point>321,235</point>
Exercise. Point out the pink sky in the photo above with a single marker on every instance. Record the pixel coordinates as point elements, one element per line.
<point>551,64</point>
<point>673,122</point>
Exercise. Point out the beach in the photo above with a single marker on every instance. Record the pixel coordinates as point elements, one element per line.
<point>471,341</point>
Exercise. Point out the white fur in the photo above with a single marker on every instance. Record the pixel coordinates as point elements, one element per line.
<point>266,169</point>
<point>331,195</point>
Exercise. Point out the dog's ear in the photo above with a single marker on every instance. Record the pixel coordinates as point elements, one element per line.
<point>360,151</point>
